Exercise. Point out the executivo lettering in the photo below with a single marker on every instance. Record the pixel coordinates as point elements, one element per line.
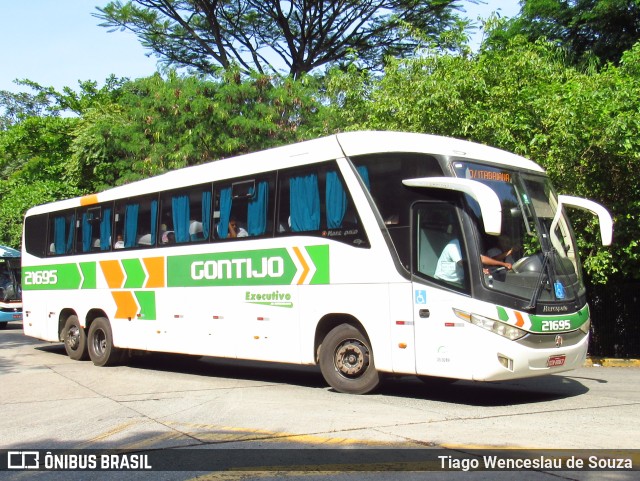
<point>275,298</point>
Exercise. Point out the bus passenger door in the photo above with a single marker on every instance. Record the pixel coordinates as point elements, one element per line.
<point>440,280</point>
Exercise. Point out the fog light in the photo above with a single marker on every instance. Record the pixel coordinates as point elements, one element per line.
<point>506,362</point>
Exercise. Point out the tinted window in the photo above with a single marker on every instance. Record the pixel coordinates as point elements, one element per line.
<point>244,208</point>
<point>314,201</point>
<point>135,223</point>
<point>186,216</point>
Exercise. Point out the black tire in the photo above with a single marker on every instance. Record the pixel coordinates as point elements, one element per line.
<point>346,361</point>
<point>3,325</point>
<point>100,344</point>
<point>75,339</point>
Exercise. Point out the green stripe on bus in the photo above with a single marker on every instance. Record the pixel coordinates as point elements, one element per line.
<point>576,319</point>
<point>246,268</point>
<point>320,257</point>
<point>134,272</point>
<point>147,302</point>
<point>52,277</point>
<point>89,275</point>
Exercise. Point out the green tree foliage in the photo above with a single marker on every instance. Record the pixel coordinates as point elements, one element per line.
<point>270,35</point>
<point>581,126</point>
<point>47,102</point>
<point>32,171</point>
<point>601,28</point>
<point>15,107</point>
<point>164,124</point>
<point>126,131</point>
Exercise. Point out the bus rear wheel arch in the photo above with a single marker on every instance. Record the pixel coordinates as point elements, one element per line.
<point>346,360</point>
<point>100,343</point>
<point>75,339</point>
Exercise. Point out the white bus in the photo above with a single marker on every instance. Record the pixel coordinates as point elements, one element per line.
<point>365,253</point>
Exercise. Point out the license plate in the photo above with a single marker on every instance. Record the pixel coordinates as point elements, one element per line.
<point>555,361</point>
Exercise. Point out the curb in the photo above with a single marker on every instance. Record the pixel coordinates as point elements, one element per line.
<point>611,362</point>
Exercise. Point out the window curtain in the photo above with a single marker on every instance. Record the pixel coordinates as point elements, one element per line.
<point>364,174</point>
<point>59,237</point>
<point>336,200</point>
<point>225,212</point>
<point>304,203</point>
<point>131,224</point>
<point>154,221</point>
<point>86,231</point>
<point>206,213</point>
<point>105,230</point>
<point>181,214</point>
<point>69,244</point>
<point>257,210</point>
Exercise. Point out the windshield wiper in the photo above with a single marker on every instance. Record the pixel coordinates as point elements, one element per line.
<point>541,280</point>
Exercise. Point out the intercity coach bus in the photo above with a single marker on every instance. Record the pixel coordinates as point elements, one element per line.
<point>366,253</point>
<point>10,290</point>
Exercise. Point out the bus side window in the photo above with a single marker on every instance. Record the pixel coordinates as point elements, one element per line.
<point>35,242</point>
<point>185,216</point>
<point>439,246</point>
<point>315,201</point>
<point>61,233</point>
<point>136,221</point>
<point>244,208</point>
<point>93,232</point>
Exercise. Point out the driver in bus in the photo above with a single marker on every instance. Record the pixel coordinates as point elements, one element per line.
<point>496,258</point>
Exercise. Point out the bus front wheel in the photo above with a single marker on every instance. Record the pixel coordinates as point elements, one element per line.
<point>346,361</point>
<point>75,339</point>
<point>100,343</point>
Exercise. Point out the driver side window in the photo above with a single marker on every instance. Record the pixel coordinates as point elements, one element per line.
<point>439,248</point>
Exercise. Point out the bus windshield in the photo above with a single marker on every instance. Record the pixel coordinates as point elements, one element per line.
<point>10,288</point>
<point>538,244</point>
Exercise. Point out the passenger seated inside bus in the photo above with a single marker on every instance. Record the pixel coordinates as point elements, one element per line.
<point>449,267</point>
<point>235,230</point>
<point>144,240</point>
<point>195,230</point>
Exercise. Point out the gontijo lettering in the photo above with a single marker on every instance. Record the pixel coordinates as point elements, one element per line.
<point>272,267</point>
<point>279,266</point>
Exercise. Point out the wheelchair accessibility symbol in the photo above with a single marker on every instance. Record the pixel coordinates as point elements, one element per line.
<point>421,297</point>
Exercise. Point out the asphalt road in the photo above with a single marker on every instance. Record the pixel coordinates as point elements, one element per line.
<point>162,402</point>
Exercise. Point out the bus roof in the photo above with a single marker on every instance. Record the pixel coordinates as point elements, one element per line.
<point>332,147</point>
<point>8,252</point>
<point>359,143</point>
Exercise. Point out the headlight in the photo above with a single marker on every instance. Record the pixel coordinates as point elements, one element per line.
<point>493,325</point>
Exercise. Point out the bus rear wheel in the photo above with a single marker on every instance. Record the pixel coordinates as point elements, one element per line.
<point>75,339</point>
<point>346,361</point>
<point>100,343</point>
